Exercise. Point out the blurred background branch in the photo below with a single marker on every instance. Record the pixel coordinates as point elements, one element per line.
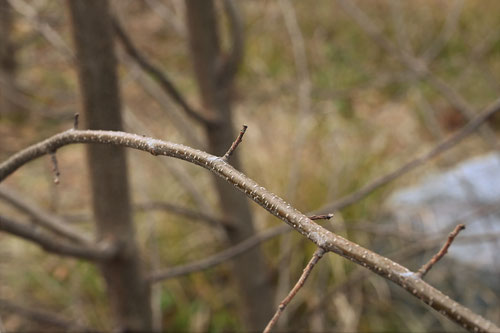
<point>338,115</point>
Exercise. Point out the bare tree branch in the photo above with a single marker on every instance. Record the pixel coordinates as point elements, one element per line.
<point>445,145</point>
<point>42,316</point>
<point>97,252</point>
<point>322,237</point>
<point>304,85</point>
<point>43,218</point>
<point>215,259</point>
<point>155,72</point>
<point>417,66</point>
<point>51,35</point>
<point>305,274</point>
<point>185,212</point>
<point>413,249</point>
<point>303,126</point>
<point>168,15</point>
<point>180,174</point>
<point>449,28</point>
<point>178,118</point>
<point>426,268</point>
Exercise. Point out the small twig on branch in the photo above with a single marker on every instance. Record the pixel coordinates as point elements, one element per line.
<point>426,268</point>
<point>321,217</point>
<point>75,121</point>
<point>158,74</point>
<point>315,258</point>
<point>416,247</point>
<point>55,167</point>
<point>235,144</point>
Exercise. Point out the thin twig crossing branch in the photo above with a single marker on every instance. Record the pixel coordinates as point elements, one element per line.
<point>321,217</point>
<point>305,274</point>
<point>427,267</point>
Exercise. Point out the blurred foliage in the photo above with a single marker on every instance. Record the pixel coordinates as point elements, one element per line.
<point>366,118</point>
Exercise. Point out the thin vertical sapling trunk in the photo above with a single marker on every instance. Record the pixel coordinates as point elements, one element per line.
<point>214,73</point>
<point>127,288</point>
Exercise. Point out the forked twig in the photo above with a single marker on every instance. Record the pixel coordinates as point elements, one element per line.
<point>427,267</point>
<point>305,274</point>
<point>235,144</point>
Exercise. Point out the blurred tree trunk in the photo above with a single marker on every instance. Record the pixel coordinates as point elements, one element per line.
<point>127,288</point>
<point>215,88</point>
<point>8,86</point>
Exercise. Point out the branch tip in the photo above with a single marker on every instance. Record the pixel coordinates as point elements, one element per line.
<point>75,121</point>
<point>451,237</point>
<point>321,216</point>
<point>235,144</point>
<point>305,274</point>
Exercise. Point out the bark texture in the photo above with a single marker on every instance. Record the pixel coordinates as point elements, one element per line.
<point>323,238</point>
<point>215,88</point>
<point>128,291</point>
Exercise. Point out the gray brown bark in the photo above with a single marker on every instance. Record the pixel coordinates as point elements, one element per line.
<point>215,89</point>
<point>127,288</point>
<point>323,238</point>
